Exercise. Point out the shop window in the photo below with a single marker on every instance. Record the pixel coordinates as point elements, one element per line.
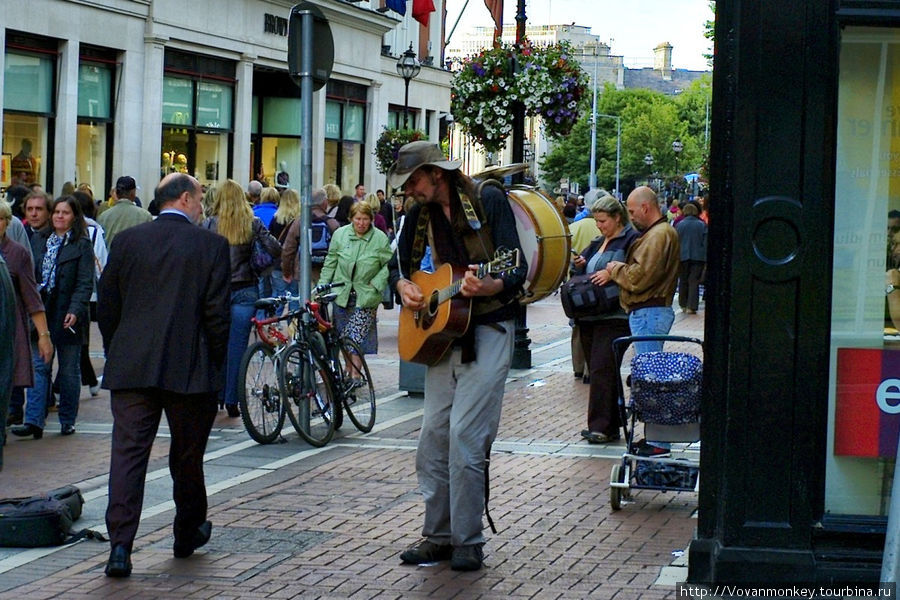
<point>28,116</point>
<point>90,156</point>
<point>28,83</point>
<point>345,133</point>
<point>197,118</point>
<point>864,386</point>
<point>24,147</point>
<point>95,112</point>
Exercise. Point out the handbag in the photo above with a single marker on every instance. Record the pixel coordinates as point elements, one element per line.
<point>583,298</point>
<point>260,259</point>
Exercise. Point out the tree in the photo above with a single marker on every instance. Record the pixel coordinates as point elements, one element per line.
<point>650,123</point>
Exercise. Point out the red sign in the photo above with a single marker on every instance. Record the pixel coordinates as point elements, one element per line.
<point>867,408</point>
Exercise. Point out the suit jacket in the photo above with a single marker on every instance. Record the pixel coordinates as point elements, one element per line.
<point>163,308</point>
<point>74,285</point>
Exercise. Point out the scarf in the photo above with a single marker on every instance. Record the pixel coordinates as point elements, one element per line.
<point>48,265</point>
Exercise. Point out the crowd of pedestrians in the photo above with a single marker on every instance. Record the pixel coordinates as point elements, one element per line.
<point>56,251</point>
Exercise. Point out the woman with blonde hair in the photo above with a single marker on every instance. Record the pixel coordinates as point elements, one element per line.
<point>333,195</point>
<point>374,203</point>
<point>288,211</point>
<point>234,220</point>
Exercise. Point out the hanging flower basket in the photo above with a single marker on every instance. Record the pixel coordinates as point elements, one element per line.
<point>482,95</point>
<point>548,81</point>
<point>389,143</point>
<point>552,85</point>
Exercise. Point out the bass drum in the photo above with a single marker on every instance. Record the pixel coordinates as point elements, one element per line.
<point>545,239</point>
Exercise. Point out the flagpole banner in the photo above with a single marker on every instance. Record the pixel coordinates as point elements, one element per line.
<point>398,6</point>
<point>422,10</point>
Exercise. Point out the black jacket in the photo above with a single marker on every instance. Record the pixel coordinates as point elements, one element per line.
<point>163,308</point>
<point>74,285</point>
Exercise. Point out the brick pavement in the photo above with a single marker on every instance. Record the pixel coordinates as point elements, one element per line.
<point>330,523</point>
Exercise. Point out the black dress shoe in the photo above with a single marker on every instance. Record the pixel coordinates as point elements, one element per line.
<point>26,430</point>
<point>119,563</point>
<point>67,429</point>
<point>184,548</point>
<point>233,410</point>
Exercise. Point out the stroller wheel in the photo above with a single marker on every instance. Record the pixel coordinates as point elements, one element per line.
<point>616,494</point>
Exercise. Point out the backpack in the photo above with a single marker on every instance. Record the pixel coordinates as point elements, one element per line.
<point>319,239</point>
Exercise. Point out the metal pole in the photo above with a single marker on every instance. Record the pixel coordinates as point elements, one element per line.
<point>406,105</point>
<point>890,561</point>
<point>618,154</point>
<point>306,155</point>
<point>521,358</point>
<point>592,180</point>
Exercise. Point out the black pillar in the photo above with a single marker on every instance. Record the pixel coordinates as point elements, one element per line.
<point>522,351</point>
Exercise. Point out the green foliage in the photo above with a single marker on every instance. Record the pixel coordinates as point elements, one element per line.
<point>709,31</point>
<point>388,145</point>
<point>650,123</point>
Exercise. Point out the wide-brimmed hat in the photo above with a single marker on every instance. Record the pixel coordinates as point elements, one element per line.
<point>418,154</point>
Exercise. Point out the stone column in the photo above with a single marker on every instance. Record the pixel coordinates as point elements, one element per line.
<point>142,156</point>
<point>243,113</point>
<point>64,139</point>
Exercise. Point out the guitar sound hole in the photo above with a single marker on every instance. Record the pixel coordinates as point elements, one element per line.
<point>433,304</point>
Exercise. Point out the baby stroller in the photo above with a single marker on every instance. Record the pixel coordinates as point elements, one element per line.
<point>665,397</point>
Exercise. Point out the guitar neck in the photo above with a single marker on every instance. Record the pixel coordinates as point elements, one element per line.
<point>454,288</point>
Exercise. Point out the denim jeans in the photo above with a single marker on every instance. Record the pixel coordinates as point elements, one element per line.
<point>69,377</point>
<point>280,286</point>
<point>242,311</point>
<point>655,320</point>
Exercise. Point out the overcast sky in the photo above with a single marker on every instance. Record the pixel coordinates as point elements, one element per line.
<point>632,28</point>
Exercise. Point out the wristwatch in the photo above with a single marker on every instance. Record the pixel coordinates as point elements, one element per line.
<point>890,288</point>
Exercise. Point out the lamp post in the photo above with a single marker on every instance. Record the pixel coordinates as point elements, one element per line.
<point>677,147</point>
<point>648,160</point>
<point>408,68</point>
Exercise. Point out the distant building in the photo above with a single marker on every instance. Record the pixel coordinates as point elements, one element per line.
<point>661,77</point>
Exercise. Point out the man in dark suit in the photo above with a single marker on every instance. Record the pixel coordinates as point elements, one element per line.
<point>163,313</point>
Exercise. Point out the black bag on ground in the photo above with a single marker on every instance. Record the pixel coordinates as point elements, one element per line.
<point>44,520</point>
<point>582,298</point>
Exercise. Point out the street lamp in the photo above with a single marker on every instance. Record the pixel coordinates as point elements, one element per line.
<point>677,147</point>
<point>648,160</point>
<point>408,68</point>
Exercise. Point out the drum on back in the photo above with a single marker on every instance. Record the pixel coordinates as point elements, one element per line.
<point>545,240</point>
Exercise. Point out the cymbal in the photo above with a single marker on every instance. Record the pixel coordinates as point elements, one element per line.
<point>500,171</point>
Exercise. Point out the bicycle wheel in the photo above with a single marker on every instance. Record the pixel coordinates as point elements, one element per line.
<point>309,401</point>
<point>259,394</point>
<point>359,394</point>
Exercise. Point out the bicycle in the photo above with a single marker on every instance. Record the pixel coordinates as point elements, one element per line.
<point>352,386</point>
<point>264,398</point>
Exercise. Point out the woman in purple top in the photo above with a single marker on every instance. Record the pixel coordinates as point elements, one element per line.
<point>28,303</point>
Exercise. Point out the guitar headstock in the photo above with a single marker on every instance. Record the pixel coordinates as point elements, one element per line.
<point>504,260</point>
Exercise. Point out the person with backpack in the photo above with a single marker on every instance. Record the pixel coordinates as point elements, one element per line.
<point>321,229</point>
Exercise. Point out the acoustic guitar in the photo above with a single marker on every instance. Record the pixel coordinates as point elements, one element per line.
<point>424,336</point>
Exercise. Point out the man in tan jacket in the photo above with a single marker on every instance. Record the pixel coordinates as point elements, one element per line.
<point>648,278</point>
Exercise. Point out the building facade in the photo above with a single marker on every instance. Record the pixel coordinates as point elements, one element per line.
<point>147,87</point>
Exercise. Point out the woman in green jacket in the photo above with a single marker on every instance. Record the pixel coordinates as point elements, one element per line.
<point>358,257</point>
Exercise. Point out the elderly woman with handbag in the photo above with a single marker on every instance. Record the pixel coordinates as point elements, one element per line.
<point>599,330</point>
